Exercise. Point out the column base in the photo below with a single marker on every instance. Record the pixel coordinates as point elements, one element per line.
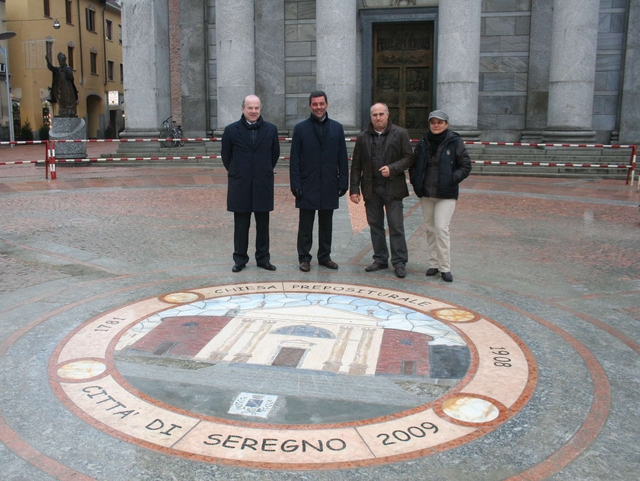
<point>139,134</point>
<point>531,136</point>
<point>467,133</point>
<point>569,136</point>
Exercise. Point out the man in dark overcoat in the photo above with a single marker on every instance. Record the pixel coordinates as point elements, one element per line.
<point>318,176</point>
<point>250,151</point>
<point>381,156</point>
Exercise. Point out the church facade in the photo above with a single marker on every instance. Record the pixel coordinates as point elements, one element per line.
<point>509,70</point>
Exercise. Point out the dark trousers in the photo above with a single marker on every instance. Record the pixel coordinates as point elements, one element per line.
<point>305,234</point>
<point>241,223</point>
<point>375,208</point>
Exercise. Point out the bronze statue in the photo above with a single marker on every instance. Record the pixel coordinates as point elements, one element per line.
<point>63,90</point>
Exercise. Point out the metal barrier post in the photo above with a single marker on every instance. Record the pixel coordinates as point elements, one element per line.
<point>52,160</point>
<point>46,159</point>
<point>634,152</point>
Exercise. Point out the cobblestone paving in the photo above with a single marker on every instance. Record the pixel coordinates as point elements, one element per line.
<point>555,260</point>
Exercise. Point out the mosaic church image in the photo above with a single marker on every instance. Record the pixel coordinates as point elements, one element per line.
<point>518,70</point>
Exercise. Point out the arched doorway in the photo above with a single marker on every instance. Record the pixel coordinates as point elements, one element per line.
<point>95,111</point>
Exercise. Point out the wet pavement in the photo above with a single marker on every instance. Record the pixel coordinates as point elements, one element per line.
<point>130,351</point>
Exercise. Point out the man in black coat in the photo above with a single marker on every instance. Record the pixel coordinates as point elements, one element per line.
<point>318,176</point>
<point>250,151</point>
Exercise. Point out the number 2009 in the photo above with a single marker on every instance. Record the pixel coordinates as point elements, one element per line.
<point>411,432</point>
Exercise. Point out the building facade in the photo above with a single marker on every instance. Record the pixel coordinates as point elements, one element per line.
<point>89,34</point>
<point>511,70</point>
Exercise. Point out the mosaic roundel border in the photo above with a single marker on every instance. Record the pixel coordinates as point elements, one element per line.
<point>83,376</point>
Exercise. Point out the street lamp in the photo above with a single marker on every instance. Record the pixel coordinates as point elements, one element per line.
<point>5,52</point>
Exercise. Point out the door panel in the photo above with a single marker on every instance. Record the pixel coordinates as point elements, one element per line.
<point>288,357</point>
<point>403,72</point>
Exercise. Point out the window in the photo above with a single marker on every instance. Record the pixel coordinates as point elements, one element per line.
<point>120,34</point>
<point>49,47</point>
<point>91,20</point>
<point>110,70</point>
<point>67,11</point>
<point>70,57</point>
<point>109,30</point>
<point>94,63</point>
<point>47,9</point>
<point>121,73</point>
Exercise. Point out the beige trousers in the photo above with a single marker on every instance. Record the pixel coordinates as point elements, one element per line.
<point>437,215</point>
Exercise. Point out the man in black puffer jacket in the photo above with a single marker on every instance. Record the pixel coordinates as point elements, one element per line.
<point>441,163</point>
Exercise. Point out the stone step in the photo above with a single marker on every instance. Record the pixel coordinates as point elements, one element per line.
<point>476,152</point>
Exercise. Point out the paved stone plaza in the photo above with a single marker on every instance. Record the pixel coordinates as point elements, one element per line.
<point>130,351</point>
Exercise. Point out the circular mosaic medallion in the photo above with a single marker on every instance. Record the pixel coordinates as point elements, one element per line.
<point>293,375</point>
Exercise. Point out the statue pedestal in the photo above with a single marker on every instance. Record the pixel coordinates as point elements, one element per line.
<point>69,128</point>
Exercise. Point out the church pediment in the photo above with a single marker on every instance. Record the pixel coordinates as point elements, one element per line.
<point>309,314</point>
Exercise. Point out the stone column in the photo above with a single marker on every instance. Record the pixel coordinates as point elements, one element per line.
<point>630,111</point>
<point>572,74</point>
<point>270,60</point>
<point>459,63</point>
<point>235,57</point>
<point>539,64</point>
<point>145,55</point>
<point>336,29</point>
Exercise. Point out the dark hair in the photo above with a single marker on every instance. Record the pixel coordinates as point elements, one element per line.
<point>317,93</point>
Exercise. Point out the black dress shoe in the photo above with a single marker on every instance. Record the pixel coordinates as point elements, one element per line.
<point>401,272</point>
<point>432,271</point>
<point>329,264</point>
<point>447,277</point>
<point>268,266</point>
<point>304,266</point>
<point>376,266</point>
<point>237,267</point>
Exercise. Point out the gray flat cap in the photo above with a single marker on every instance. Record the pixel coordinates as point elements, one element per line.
<point>439,114</point>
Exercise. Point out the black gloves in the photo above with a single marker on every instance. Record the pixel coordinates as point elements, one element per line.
<point>341,192</point>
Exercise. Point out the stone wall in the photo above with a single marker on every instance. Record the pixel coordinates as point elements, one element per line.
<point>212,73</point>
<point>300,58</point>
<point>611,33</point>
<point>504,65</point>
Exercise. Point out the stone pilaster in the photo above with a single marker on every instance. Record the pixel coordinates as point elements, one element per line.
<point>235,42</point>
<point>539,64</point>
<point>630,111</point>
<point>270,82</point>
<point>193,68</point>
<point>572,73</point>
<point>336,29</point>
<point>459,63</point>
<point>145,52</point>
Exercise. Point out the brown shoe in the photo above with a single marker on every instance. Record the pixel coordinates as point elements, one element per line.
<point>329,264</point>
<point>305,267</point>
<point>376,267</point>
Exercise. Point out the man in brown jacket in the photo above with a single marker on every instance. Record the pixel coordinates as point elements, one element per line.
<point>381,156</point>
